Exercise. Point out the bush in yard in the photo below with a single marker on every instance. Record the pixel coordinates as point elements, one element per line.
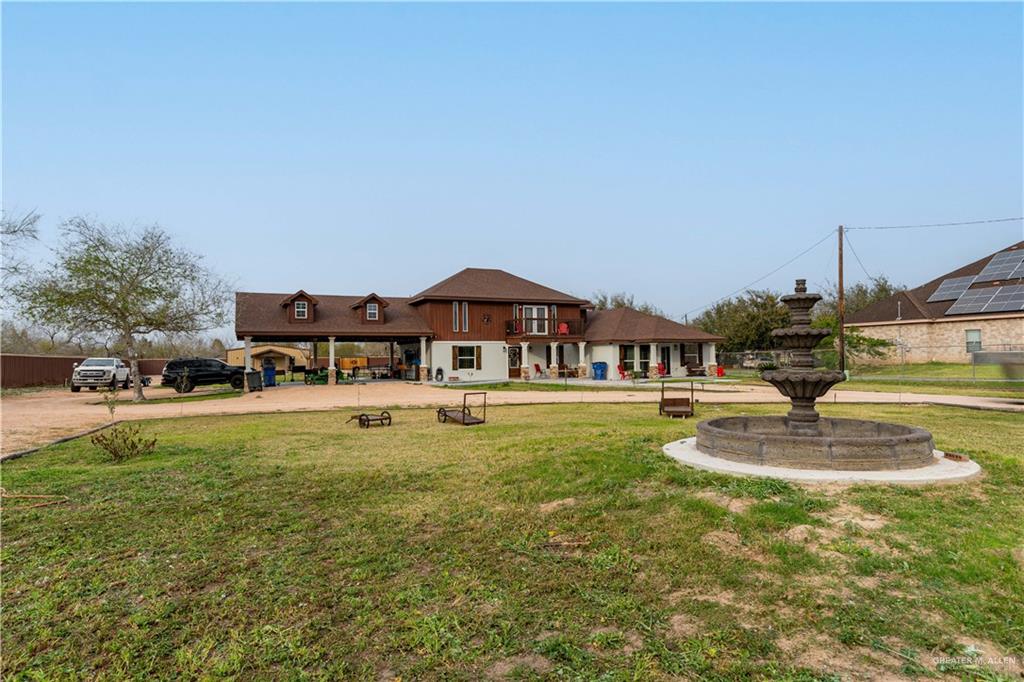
<point>123,442</point>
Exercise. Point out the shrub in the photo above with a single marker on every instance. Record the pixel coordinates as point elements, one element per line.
<point>123,442</point>
<point>766,366</point>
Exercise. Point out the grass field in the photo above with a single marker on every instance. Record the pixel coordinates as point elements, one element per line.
<point>552,542</point>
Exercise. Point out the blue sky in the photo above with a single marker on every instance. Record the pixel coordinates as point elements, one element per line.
<point>672,151</point>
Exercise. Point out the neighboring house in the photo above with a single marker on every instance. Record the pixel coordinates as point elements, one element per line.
<point>284,357</point>
<point>479,325</point>
<point>979,306</point>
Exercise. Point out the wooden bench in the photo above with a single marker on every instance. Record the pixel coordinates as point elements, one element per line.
<point>676,407</point>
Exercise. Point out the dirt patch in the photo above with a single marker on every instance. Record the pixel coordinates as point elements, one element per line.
<point>554,505</point>
<point>732,504</point>
<point>985,653</point>
<point>729,543</point>
<point>505,667</point>
<point>846,513</point>
<point>820,654</point>
<point>682,626</point>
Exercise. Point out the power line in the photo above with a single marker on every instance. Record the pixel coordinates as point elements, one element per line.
<point>859,261</point>
<point>912,227</point>
<point>747,286</point>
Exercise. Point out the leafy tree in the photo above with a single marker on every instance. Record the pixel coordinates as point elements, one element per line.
<point>858,346</point>
<point>745,321</point>
<point>124,286</point>
<point>605,301</point>
<point>858,296</point>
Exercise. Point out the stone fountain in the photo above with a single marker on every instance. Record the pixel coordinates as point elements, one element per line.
<point>803,439</point>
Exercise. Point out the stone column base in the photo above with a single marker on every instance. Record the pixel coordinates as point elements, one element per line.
<point>424,374</point>
<point>524,373</point>
<point>553,371</point>
<point>332,376</point>
<point>581,370</point>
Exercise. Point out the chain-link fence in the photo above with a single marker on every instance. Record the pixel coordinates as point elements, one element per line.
<point>997,363</point>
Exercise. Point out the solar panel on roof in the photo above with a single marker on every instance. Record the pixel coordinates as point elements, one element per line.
<point>1007,299</point>
<point>973,301</point>
<point>951,289</point>
<point>1018,273</point>
<point>1002,266</point>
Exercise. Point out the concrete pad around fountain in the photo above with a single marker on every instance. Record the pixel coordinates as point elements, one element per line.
<point>941,470</point>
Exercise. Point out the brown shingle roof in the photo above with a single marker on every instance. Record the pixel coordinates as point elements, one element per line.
<point>484,284</point>
<point>261,316</point>
<point>912,304</point>
<point>626,325</point>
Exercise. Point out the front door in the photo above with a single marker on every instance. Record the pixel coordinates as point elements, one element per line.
<point>666,358</point>
<point>515,355</point>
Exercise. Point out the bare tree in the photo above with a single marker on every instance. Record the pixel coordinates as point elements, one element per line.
<point>15,232</point>
<point>122,285</point>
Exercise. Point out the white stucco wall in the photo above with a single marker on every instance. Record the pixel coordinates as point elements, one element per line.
<point>493,361</point>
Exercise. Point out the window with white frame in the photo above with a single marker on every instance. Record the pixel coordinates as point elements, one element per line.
<point>455,316</point>
<point>465,316</point>
<point>372,311</point>
<point>973,337</point>
<point>301,310</point>
<point>466,357</point>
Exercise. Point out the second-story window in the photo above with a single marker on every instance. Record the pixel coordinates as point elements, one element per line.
<point>372,311</point>
<point>455,316</point>
<point>465,316</point>
<point>301,310</point>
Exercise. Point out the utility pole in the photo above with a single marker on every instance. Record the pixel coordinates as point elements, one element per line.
<point>841,308</point>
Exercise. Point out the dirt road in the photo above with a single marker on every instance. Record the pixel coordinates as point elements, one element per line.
<point>36,418</point>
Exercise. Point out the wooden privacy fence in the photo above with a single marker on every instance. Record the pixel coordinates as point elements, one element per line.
<point>18,371</point>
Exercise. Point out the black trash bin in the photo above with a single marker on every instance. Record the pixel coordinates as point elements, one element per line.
<point>254,380</point>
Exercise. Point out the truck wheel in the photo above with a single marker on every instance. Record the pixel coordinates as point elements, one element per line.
<point>127,383</point>
<point>92,388</point>
<point>76,389</point>
<point>238,382</point>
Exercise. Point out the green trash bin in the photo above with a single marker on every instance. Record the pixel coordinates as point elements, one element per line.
<point>254,380</point>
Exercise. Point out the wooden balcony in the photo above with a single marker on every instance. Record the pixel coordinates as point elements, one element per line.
<point>544,327</point>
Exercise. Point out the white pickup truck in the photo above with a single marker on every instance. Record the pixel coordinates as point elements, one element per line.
<point>96,372</point>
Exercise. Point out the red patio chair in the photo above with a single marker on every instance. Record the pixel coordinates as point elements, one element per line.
<point>563,329</point>
<point>661,369</point>
<point>622,373</point>
<point>537,369</point>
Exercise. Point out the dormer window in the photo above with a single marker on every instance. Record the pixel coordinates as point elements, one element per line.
<point>372,311</point>
<point>301,310</point>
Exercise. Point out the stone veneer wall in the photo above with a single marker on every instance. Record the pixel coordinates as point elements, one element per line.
<point>944,341</point>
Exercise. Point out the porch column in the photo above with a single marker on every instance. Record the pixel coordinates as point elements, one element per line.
<point>553,369</point>
<point>248,353</point>
<point>424,365</point>
<point>710,359</point>
<point>652,368</point>
<point>524,367</point>
<point>332,374</point>
<point>636,358</point>
<point>581,367</point>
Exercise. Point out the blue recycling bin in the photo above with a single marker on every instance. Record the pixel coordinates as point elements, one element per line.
<point>600,371</point>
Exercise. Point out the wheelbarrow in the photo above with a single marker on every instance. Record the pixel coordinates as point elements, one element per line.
<point>365,420</point>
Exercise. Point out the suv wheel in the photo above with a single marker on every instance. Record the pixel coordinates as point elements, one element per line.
<point>238,382</point>
<point>183,385</point>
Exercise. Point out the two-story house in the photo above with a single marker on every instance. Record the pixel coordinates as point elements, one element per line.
<point>481,325</point>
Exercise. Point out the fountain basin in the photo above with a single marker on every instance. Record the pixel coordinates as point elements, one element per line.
<point>840,444</point>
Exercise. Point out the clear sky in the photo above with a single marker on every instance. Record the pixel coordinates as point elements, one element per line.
<point>673,151</point>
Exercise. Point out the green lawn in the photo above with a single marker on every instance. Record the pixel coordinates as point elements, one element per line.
<point>552,542</point>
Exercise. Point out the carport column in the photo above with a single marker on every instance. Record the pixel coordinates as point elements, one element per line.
<point>524,361</point>
<point>424,365</point>
<point>332,374</point>
<point>581,368</point>
<point>248,353</point>
<point>652,371</point>
<point>553,369</point>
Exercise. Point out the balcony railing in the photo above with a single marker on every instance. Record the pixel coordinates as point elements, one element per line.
<point>543,326</point>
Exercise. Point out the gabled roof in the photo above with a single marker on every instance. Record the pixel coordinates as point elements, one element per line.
<point>626,325</point>
<point>370,297</point>
<point>299,294</point>
<point>485,284</point>
<point>912,304</point>
<point>260,316</point>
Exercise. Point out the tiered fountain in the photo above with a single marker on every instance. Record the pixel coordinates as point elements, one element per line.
<point>803,439</point>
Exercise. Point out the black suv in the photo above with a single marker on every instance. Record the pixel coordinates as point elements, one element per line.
<point>184,374</point>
